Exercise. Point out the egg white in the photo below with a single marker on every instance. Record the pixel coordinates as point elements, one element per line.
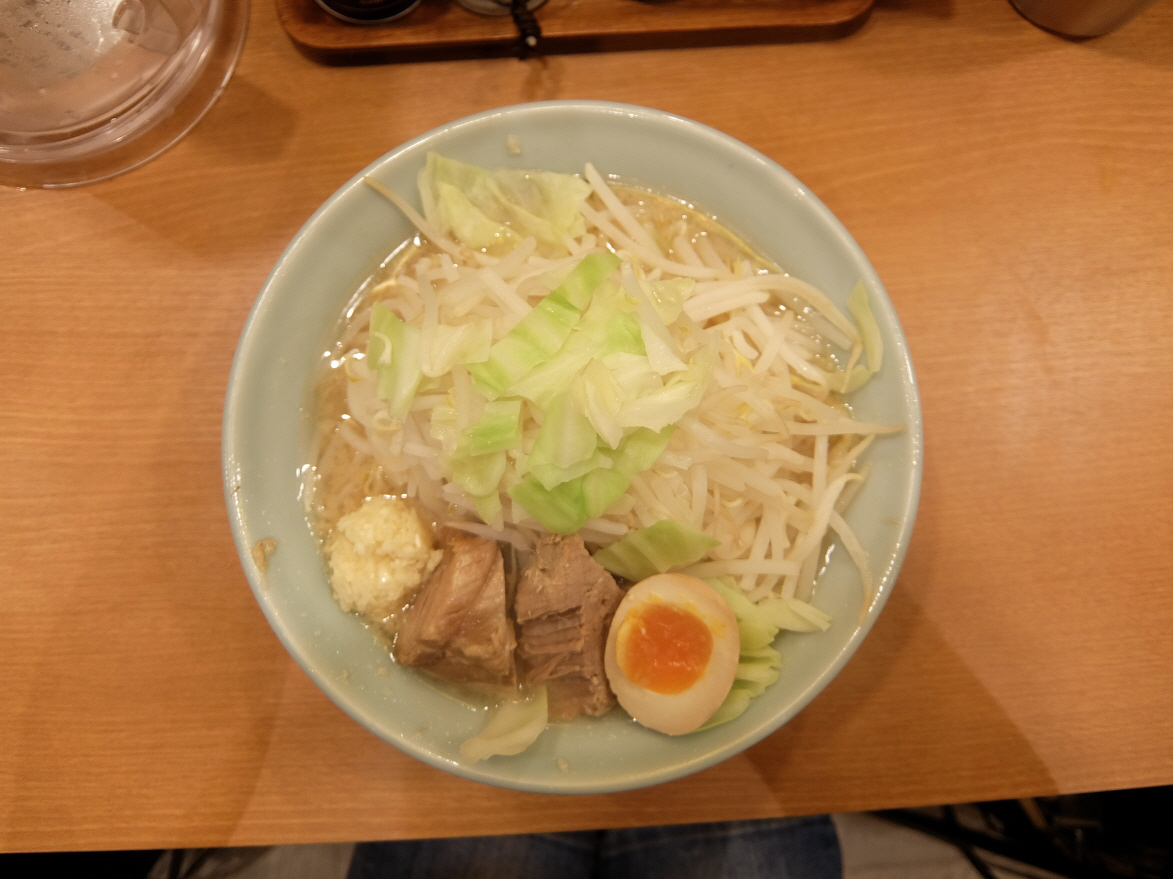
<point>678,713</point>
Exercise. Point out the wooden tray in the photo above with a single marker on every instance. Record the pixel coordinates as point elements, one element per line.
<point>442,29</point>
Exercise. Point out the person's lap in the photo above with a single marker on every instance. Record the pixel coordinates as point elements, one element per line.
<point>556,855</point>
<point>782,848</point>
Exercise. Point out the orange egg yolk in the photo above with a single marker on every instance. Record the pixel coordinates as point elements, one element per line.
<point>663,648</point>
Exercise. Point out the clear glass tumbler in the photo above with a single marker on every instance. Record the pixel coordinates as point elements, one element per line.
<point>92,88</point>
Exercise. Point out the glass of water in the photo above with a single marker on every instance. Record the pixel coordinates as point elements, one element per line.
<point>92,88</point>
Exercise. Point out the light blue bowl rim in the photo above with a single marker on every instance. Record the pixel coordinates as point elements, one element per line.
<point>899,353</point>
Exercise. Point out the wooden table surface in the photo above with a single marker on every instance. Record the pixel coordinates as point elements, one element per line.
<point>1015,193</point>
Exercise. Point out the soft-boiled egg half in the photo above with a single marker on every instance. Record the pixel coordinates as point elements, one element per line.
<point>672,652</point>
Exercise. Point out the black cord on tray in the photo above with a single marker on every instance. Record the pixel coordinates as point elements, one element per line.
<point>528,29</point>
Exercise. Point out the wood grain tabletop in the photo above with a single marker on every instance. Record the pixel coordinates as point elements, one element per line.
<point>1014,190</point>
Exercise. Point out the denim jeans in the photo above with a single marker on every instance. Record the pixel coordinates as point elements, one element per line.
<point>779,848</point>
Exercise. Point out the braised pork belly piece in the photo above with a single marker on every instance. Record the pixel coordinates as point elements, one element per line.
<point>458,627</point>
<point>564,604</point>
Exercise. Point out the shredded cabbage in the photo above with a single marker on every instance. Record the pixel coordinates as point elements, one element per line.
<point>485,209</point>
<point>597,330</point>
<point>758,625</point>
<point>873,343</point>
<point>394,350</point>
<point>541,333</point>
<point>566,507</point>
<point>654,550</point>
<point>512,727</point>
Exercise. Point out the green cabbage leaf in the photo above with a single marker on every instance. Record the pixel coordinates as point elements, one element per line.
<point>758,626</point>
<point>496,210</point>
<point>653,550</point>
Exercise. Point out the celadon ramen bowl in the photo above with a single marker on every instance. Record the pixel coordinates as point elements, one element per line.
<point>269,412</point>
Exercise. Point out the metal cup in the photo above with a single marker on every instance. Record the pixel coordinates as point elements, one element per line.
<point>1080,18</point>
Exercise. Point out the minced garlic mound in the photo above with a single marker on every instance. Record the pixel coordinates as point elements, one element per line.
<point>379,555</point>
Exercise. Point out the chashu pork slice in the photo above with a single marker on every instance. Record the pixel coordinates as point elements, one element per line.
<point>564,604</point>
<point>458,627</point>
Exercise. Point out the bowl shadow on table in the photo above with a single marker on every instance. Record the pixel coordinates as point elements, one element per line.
<point>905,722</point>
<point>225,192</point>
<point>248,663</point>
<point>239,108</point>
